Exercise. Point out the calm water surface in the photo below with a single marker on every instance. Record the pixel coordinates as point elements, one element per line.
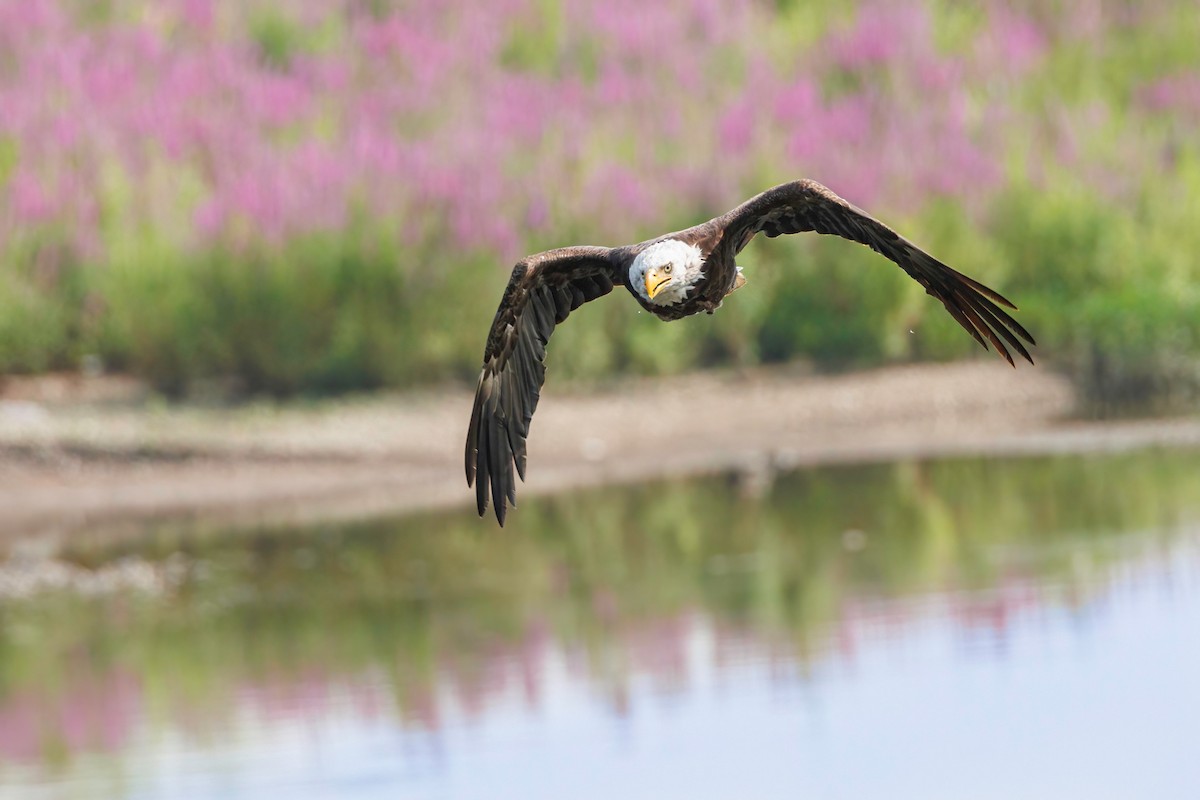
<point>957,629</point>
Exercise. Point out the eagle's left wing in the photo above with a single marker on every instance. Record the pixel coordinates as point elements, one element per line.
<point>808,206</point>
<point>544,288</point>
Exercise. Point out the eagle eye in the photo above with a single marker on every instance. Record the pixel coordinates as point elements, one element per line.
<point>667,268</point>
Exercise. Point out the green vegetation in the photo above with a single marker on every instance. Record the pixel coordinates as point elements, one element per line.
<point>1110,293</point>
<point>280,200</point>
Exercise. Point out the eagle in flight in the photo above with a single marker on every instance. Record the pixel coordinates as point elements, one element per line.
<point>674,276</point>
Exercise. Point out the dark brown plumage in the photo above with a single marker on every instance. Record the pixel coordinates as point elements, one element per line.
<point>546,287</point>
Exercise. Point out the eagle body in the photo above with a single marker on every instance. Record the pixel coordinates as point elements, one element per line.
<point>674,276</point>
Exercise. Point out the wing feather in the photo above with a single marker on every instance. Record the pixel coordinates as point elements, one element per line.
<point>806,205</point>
<point>543,290</point>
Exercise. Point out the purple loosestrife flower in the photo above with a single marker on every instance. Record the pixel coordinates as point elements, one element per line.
<point>484,127</point>
<point>735,127</point>
<point>30,202</point>
<point>1018,42</point>
<point>882,34</point>
<point>1177,95</point>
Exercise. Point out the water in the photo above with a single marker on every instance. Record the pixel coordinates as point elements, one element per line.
<point>963,628</point>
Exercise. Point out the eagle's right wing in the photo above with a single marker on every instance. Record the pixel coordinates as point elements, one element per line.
<point>544,288</point>
<point>806,205</point>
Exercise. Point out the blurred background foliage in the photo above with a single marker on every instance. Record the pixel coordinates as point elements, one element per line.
<point>322,196</point>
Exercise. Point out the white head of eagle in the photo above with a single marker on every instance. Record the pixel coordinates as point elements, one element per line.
<point>665,271</point>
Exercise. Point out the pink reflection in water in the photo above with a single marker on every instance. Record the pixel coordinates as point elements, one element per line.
<point>90,711</point>
<point>100,710</point>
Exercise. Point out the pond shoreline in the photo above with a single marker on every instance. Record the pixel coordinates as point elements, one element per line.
<point>71,468</point>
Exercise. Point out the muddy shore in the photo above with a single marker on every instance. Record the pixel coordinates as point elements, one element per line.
<point>75,461</point>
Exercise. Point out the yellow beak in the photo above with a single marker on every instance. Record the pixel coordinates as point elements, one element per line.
<point>655,280</point>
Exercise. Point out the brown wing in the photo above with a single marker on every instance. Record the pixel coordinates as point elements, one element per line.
<point>808,206</point>
<point>544,288</point>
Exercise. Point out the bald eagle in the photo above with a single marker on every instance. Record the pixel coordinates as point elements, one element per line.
<point>674,276</point>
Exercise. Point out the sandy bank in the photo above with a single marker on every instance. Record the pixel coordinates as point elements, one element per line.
<point>71,467</point>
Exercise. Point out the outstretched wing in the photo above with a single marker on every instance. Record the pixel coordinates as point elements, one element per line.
<point>808,206</point>
<point>544,288</point>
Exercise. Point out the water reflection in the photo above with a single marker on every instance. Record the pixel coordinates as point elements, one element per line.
<point>919,618</point>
